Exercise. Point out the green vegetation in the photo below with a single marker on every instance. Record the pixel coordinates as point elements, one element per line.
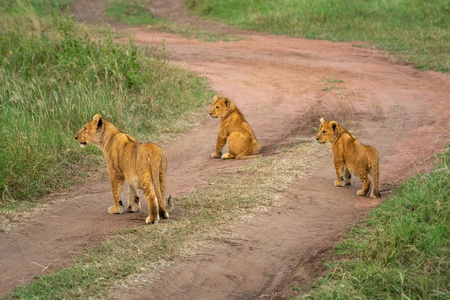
<point>198,217</point>
<point>417,31</point>
<point>403,251</point>
<point>55,75</point>
<point>135,12</point>
<point>131,12</point>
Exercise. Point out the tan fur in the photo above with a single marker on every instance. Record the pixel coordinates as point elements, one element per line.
<point>142,165</point>
<point>351,158</point>
<point>234,128</point>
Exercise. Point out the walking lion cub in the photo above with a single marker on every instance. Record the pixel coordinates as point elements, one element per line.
<point>351,158</point>
<point>142,165</point>
<point>235,129</point>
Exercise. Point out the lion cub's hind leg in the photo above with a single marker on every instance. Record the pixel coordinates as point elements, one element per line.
<point>133,200</point>
<point>152,202</point>
<point>366,185</point>
<point>236,146</point>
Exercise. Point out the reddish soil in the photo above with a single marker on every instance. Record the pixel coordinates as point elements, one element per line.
<point>281,85</point>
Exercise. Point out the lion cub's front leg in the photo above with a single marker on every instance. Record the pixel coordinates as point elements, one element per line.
<point>347,176</point>
<point>221,141</point>
<point>116,185</point>
<point>133,200</point>
<point>339,166</point>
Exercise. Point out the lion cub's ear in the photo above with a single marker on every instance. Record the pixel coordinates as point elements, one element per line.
<point>97,120</point>
<point>322,120</point>
<point>227,102</point>
<point>216,99</point>
<point>334,125</point>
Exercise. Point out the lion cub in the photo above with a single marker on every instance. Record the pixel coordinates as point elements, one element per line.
<point>351,158</point>
<point>142,165</point>
<point>234,128</point>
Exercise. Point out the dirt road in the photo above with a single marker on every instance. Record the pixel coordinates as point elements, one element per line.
<point>284,85</point>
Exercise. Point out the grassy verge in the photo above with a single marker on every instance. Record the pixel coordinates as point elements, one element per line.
<point>198,217</point>
<point>135,13</point>
<point>415,31</point>
<point>403,251</point>
<point>55,76</point>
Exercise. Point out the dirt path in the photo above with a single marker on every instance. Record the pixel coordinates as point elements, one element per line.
<point>284,85</point>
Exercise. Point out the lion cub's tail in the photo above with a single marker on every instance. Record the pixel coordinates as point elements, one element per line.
<point>375,171</point>
<point>170,203</point>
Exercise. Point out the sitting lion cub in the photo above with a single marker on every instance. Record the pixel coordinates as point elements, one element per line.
<point>351,158</point>
<point>143,166</point>
<point>242,142</point>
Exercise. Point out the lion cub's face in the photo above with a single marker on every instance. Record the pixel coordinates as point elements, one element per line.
<point>220,107</point>
<point>326,132</point>
<point>89,134</point>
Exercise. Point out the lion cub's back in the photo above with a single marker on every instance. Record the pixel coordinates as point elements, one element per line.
<point>150,152</point>
<point>370,153</point>
<point>239,124</point>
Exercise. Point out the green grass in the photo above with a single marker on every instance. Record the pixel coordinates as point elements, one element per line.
<point>403,251</point>
<point>198,218</point>
<point>132,12</point>
<point>416,31</point>
<point>135,12</point>
<point>55,75</point>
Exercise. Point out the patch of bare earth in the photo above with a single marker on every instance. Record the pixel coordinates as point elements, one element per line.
<point>283,85</point>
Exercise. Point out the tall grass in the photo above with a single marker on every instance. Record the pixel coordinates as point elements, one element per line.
<point>55,76</point>
<point>403,252</point>
<point>417,31</point>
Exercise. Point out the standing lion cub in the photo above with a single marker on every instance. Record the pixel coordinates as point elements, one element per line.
<point>351,158</point>
<point>142,165</point>
<point>234,128</point>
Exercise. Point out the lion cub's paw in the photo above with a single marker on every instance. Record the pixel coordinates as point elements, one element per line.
<point>339,183</point>
<point>228,156</point>
<point>133,209</point>
<point>133,205</point>
<point>114,210</point>
<point>150,220</point>
<point>164,215</point>
<point>375,196</point>
<point>361,193</point>
<point>216,155</point>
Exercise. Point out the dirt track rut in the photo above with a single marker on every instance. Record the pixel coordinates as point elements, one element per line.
<point>283,85</point>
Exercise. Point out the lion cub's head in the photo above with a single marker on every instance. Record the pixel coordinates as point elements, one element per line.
<point>327,131</point>
<point>220,108</point>
<point>90,134</point>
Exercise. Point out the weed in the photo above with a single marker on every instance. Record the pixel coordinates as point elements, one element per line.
<point>331,84</point>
